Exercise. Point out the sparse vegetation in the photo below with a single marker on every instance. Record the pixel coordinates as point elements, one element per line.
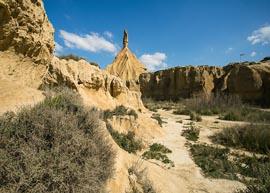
<point>252,137</point>
<point>143,184</point>
<point>157,117</point>
<point>120,111</point>
<point>209,105</point>
<point>213,161</point>
<point>253,171</point>
<point>56,146</point>
<point>128,142</point>
<point>158,152</point>
<point>246,114</point>
<point>195,117</point>
<point>154,105</point>
<point>76,58</point>
<point>192,133</point>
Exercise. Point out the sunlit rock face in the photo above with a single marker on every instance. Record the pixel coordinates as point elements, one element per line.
<point>249,80</point>
<point>25,28</point>
<point>179,82</point>
<point>126,65</point>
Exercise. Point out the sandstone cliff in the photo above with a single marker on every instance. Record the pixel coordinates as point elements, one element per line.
<point>25,28</point>
<point>27,63</point>
<point>97,87</point>
<point>249,80</point>
<point>180,82</point>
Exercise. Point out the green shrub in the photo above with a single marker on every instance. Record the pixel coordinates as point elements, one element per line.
<point>120,111</point>
<point>56,146</point>
<point>213,161</point>
<point>192,133</point>
<point>154,105</point>
<point>158,152</point>
<point>254,171</point>
<point>252,137</point>
<point>158,118</point>
<point>159,148</point>
<point>125,141</point>
<point>182,112</point>
<point>195,117</point>
<point>259,170</point>
<point>142,182</point>
<point>213,104</point>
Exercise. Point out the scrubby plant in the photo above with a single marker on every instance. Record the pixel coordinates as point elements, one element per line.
<point>213,161</point>
<point>128,142</point>
<point>154,105</point>
<point>252,137</point>
<point>55,146</point>
<point>192,133</point>
<point>120,111</point>
<point>246,114</point>
<point>210,105</point>
<point>142,184</point>
<point>76,58</point>
<point>157,117</point>
<point>195,117</point>
<point>158,152</point>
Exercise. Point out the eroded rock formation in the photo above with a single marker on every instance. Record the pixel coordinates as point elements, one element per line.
<point>180,82</point>
<point>25,28</point>
<point>97,87</point>
<point>126,65</point>
<point>248,80</point>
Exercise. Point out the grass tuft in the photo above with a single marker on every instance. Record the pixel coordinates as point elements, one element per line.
<point>120,111</point>
<point>192,133</point>
<point>252,137</point>
<point>158,152</point>
<point>128,142</point>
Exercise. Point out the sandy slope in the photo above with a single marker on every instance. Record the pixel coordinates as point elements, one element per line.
<point>186,175</point>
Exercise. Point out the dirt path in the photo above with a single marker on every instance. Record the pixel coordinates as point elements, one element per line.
<point>186,175</point>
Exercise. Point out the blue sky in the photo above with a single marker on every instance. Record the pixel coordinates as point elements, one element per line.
<point>163,33</point>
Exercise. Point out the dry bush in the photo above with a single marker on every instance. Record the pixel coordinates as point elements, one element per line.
<point>76,58</point>
<point>143,184</point>
<point>213,104</point>
<point>128,142</point>
<point>120,110</point>
<point>154,105</point>
<point>56,146</point>
<point>252,137</point>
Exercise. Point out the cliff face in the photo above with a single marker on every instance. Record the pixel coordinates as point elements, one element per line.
<point>25,29</point>
<point>180,82</point>
<point>27,63</point>
<point>97,87</point>
<point>248,80</point>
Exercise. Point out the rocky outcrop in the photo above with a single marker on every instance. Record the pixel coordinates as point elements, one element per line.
<point>180,82</point>
<point>25,28</point>
<point>249,80</point>
<point>97,87</point>
<point>126,65</point>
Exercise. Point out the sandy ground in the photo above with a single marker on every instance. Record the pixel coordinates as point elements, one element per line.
<point>186,176</point>
<point>14,96</point>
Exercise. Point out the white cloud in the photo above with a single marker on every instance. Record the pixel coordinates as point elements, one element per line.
<point>230,49</point>
<point>253,54</point>
<point>108,34</point>
<point>58,49</point>
<point>154,61</point>
<point>260,36</point>
<point>92,42</point>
